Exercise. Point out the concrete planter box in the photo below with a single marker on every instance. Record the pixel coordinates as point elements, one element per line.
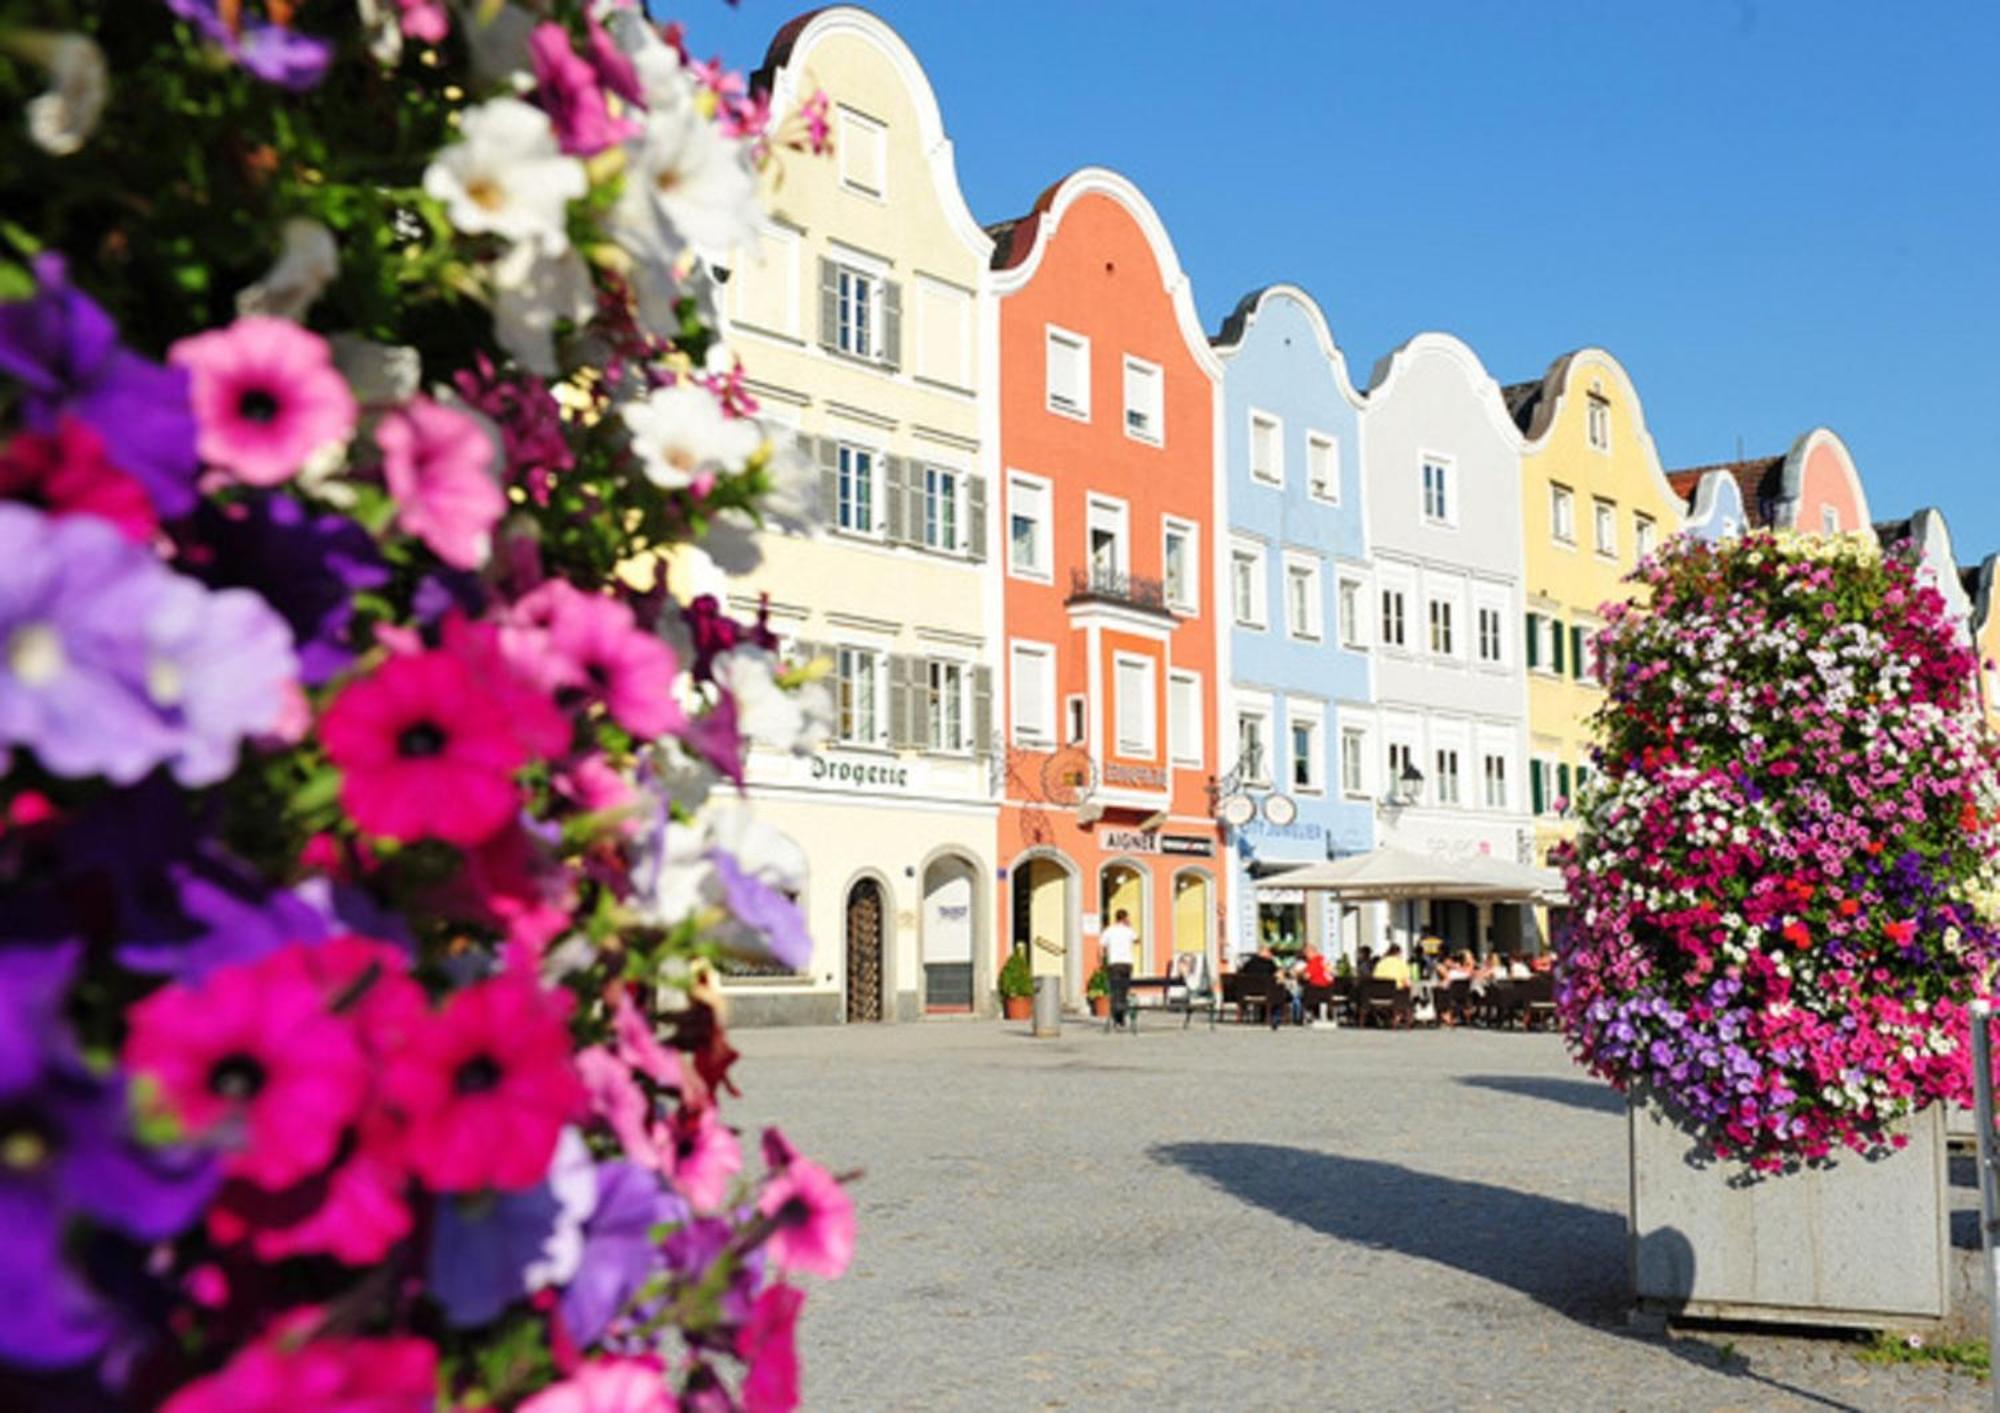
<point>1862,1244</point>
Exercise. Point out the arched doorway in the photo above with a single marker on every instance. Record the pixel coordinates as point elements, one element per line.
<point>1124,887</point>
<point>865,923</point>
<point>1044,905</point>
<point>1194,913</point>
<point>948,938</point>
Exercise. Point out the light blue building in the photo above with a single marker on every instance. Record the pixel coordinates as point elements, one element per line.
<point>1295,567</point>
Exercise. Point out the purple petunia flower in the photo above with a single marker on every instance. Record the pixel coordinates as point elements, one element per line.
<point>490,1250</point>
<point>762,916</point>
<point>64,350</point>
<point>271,52</point>
<point>619,1254</point>
<point>219,666</point>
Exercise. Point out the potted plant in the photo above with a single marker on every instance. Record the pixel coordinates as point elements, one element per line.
<point>1097,990</point>
<point>1783,890</point>
<point>1017,986</point>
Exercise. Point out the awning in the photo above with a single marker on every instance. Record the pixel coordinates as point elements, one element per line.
<point>1390,874</point>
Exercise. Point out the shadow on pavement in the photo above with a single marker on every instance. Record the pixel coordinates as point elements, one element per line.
<point>1577,1093</point>
<point>1563,1255</point>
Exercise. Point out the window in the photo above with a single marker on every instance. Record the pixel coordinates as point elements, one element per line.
<point>1137,712</point>
<point>1402,757</point>
<point>1106,522</point>
<point>1246,585</point>
<point>1028,526</point>
<point>1447,777</point>
<point>1181,565</point>
<point>1437,490</point>
<point>1302,605</point>
<point>857,329</point>
<point>1599,423</point>
<point>941,509</point>
<point>1440,616</point>
<point>1489,634</point>
<point>1548,784</point>
<point>1267,449</point>
<point>1605,529</point>
<point>1322,466</point>
<point>854,509</point>
<point>1392,618</point>
<point>1829,520</point>
<point>1353,752</point>
<point>945,697</point>
<point>1350,614</point>
<point>1069,373</point>
<point>1144,409</point>
<point>857,673</point>
<point>1253,756</point>
<point>1645,535</point>
<point>1077,720</point>
<point>1307,727</point>
<point>1184,718</point>
<point>1562,514</point>
<point>861,142</point>
<point>1033,683</point>
<point>1495,773</point>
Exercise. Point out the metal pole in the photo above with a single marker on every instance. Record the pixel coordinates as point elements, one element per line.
<point>1989,1174</point>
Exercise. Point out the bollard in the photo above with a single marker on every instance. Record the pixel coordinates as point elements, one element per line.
<point>1048,1006</point>
<point>1989,1174</point>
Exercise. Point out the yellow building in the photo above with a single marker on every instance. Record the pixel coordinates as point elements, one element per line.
<point>1982,585</point>
<point>863,321</point>
<point>1595,500</point>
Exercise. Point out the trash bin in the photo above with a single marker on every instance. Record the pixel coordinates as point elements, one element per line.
<point>1048,1005</point>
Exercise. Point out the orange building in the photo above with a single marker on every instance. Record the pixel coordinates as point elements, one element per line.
<point>1111,500</point>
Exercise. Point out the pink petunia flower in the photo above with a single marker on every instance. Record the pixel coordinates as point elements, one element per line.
<point>67,473</point>
<point>512,883</point>
<point>814,1220</point>
<point>607,1386</point>
<point>425,21</point>
<point>591,647</point>
<point>570,92</point>
<point>281,1374</point>
<point>700,1155</point>
<point>438,463</point>
<point>266,397</point>
<point>616,1098</point>
<point>486,1087</point>
<point>768,1347</point>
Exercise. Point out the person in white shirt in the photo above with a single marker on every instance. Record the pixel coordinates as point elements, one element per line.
<point>1120,945</point>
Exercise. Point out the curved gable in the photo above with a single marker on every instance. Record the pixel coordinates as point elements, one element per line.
<point>1243,319</point>
<point>1819,475</point>
<point>1392,367</point>
<point>1557,404</point>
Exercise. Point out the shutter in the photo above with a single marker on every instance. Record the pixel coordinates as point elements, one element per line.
<point>920,704</point>
<point>1576,651</point>
<point>975,518</point>
<point>1557,641</point>
<point>1562,785</point>
<point>892,324</point>
<point>982,709</point>
<point>829,304</point>
<point>1538,786</point>
<point>899,701</point>
<point>829,481</point>
<point>899,521</point>
<point>1534,638</point>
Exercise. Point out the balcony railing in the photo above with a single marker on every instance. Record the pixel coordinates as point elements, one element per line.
<point>1110,586</point>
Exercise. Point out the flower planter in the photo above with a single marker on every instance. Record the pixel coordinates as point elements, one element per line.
<point>1864,1244</point>
<point>1018,1008</point>
<point>1100,1006</point>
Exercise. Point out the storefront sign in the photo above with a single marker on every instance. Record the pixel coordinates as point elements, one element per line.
<point>1264,829</point>
<point>1196,845</point>
<point>1130,841</point>
<point>1281,895</point>
<point>1143,777</point>
<point>879,777</point>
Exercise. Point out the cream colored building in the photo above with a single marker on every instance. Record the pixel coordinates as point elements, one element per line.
<point>865,326</point>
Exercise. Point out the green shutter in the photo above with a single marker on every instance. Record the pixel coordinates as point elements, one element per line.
<point>1538,786</point>
<point>1534,639</point>
<point>1562,782</point>
<point>1576,652</point>
<point>1557,643</point>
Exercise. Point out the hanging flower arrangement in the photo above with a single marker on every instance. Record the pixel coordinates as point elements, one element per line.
<point>1783,890</point>
<point>367,839</point>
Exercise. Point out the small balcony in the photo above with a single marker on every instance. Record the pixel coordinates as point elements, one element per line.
<point>1108,586</point>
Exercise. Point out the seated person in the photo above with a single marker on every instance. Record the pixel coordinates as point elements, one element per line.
<point>1392,967</point>
<point>1517,970</point>
<point>1263,964</point>
<point>1317,972</point>
<point>1456,968</point>
<point>1544,961</point>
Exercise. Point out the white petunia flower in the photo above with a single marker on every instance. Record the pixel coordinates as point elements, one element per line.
<point>507,177</point>
<point>681,432</point>
<point>304,268</point>
<point>792,502</point>
<point>532,293</point>
<point>61,120</point>
<point>693,181</point>
<point>674,878</point>
<point>797,721</point>
<point>766,853</point>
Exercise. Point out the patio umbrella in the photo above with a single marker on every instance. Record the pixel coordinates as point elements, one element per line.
<point>1392,874</point>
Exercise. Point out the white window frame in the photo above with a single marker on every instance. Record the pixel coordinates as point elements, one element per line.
<point>1043,572</point>
<point>1400,641</point>
<point>844,453</point>
<point>878,694</point>
<point>1274,475</point>
<point>1145,746</point>
<point>1080,408</point>
<point>1327,492</point>
<point>1487,760</point>
<point>1433,620</point>
<point>1301,712</point>
<point>1354,780</point>
<point>1114,515</point>
<point>1260,712</point>
<point>1154,432</point>
<point>1397,751</point>
<point>1260,571</point>
<point>1597,421</point>
<point>1480,612</point>
<point>1188,679</point>
<point>926,470</point>
<point>852,127</point>
<point>1041,734</point>
<point>1449,467</point>
<point>942,703</point>
<point>1645,534</point>
<point>1562,515</point>
<point>1603,519</point>
<point>1306,566</point>
<point>1353,624</point>
<point>1190,602</point>
<point>1440,777</point>
<point>848,273</point>
<point>1829,520</point>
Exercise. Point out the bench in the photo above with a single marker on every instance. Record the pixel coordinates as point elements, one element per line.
<point>1168,994</point>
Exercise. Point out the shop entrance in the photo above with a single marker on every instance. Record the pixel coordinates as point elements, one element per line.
<point>947,940</point>
<point>1042,909</point>
<point>1194,907</point>
<point>864,951</point>
<point>1122,888</point>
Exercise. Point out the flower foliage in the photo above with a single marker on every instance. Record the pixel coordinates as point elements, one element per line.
<point>1784,882</point>
<point>361,891</point>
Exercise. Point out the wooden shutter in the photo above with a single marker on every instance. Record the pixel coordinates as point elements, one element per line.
<point>1562,782</point>
<point>1558,640</point>
<point>892,324</point>
<point>982,709</point>
<point>894,471</point>
<point>1534,640</point>
<point>829,481</point>
<point>1538,786</point>
<point>899,701</point>
<point>975,518</point>
<point>829,304</point>
<point>1576,651</point>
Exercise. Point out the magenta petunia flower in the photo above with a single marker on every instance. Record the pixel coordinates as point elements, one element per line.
<point>769,1351</point>
<point>67,473</point>
<point>700,1155</point>
<point>253,1058</point>
<point>607,1386</point>
<point>267,397</point>
<point>486,1086</point>
<point>284,1370</point>
<point>814,1220</point>
<point>439,466</point>
<point>589,647</point>
<point>570,92</point>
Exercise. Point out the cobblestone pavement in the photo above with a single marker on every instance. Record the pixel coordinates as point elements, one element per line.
<point>1241,1219</point>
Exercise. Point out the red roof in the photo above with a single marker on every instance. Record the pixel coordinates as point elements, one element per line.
<point>1757,479</point>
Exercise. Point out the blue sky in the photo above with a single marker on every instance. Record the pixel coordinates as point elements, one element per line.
<point>1776,215</point>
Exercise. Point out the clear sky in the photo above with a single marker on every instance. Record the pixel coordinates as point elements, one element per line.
<point>1775,214</point>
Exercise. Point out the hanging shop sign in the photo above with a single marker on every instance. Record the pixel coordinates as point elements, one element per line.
<point>1195,845</point>
<point>1130,841</point>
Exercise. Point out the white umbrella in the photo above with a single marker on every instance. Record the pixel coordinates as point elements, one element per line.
<point>1390,873</point>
